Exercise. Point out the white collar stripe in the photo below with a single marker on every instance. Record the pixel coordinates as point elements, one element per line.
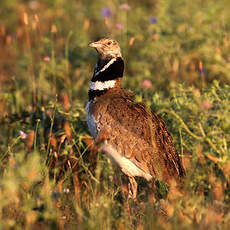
<point>99,85</point>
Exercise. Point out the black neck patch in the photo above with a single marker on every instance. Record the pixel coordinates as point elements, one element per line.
<point>113,71</point>
<point>95,93</point>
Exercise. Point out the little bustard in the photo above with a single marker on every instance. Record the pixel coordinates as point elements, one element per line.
<point>136,138</point>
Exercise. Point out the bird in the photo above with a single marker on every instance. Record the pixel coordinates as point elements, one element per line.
<point>135,137</point>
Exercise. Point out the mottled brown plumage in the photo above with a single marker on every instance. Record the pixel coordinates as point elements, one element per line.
<point>138,138</point>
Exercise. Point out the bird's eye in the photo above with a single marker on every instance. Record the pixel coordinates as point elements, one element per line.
<point>108,43</point>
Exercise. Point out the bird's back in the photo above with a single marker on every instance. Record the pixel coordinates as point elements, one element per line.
<point>137,133</point>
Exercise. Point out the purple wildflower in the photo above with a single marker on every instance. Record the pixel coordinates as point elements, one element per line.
<point>46,59</point>
<point>125,6</point>
<point>202,71</point>
<point>147,84</point>
<point>22,134</point>
<point>106,12</point>
<point>119,26</point>
<point>207,105</point>
<point>201,68</point>
<point>33,5</point>
<point>55,195</point>
<point>153,20</point>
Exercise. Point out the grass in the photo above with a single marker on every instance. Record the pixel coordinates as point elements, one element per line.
<point>178,62</point>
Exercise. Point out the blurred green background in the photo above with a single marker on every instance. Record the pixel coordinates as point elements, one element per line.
<point>177,57</point>
<point>167,42</point>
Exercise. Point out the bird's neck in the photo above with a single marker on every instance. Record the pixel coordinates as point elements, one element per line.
<point>106,76</point>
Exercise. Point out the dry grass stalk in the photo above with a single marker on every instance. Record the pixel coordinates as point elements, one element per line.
<point>66,102</point>
<point>131,41</point>
<point>67,129</point>
<point>86,24</point>
<point>30,140</point>
<point>25,18</point>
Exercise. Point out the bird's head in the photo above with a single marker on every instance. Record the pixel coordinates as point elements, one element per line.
<point>107,48</point>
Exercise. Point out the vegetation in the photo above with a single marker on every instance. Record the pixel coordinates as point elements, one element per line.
<point>177,58</point>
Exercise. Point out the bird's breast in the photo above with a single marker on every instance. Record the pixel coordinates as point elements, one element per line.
<point>91,120</point>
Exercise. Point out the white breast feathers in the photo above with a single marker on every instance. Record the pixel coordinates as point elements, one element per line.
<point>91,121</point>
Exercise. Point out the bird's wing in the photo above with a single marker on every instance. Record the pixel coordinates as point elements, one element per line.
<point>166,147</point>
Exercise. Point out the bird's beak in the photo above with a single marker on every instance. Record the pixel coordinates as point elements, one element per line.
<point>94,44</point>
